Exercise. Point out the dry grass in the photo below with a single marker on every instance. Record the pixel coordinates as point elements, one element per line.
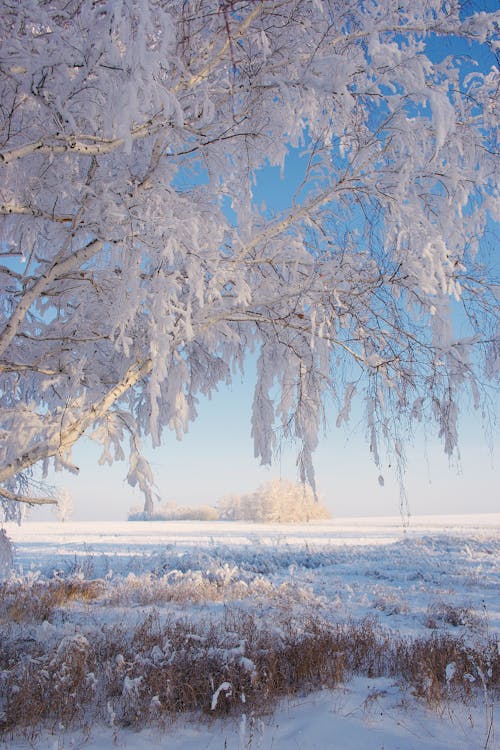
<point>449,614</point>
<point>36,602</point>
<point>150,672</point>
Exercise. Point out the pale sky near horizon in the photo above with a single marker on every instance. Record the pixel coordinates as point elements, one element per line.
<point>216,458</point>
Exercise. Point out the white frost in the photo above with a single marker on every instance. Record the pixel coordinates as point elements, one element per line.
<point>225,687</point>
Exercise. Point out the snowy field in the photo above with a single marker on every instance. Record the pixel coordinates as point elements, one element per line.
<point>435,575</point>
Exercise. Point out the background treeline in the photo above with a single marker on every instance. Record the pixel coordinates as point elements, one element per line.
<point>277,501</point>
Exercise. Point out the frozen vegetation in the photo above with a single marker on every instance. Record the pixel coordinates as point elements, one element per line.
<point>336,634</point>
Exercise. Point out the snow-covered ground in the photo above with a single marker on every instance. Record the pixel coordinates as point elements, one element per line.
<point>432,574</point>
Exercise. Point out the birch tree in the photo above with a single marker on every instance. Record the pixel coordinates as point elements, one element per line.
<point>138,270</point>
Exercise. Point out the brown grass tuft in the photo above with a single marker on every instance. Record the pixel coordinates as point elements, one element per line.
<point>36,602</point>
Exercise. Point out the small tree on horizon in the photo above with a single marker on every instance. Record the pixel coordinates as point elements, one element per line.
<point>65,505</point>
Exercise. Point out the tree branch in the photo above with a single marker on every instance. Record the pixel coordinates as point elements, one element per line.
<point>89,145</point>
<point>10,209</point>
<point>29,500</point>
<point>66,437</point>
<point>59,268</point>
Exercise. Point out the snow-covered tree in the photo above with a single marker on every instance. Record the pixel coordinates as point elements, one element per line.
<point>65,505</point>
<point>138,268</point>
<point>276,501</point>
<point>6,554</point>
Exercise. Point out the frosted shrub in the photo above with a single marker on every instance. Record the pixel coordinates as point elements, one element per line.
<point>277,501</point>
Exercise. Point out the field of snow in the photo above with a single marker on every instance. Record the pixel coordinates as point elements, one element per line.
<point>434,574</point>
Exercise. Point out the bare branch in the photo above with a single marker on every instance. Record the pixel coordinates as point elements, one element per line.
<point>29,500</point>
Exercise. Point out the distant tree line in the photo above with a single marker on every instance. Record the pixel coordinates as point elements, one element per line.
<point>277,501</point>
<point>173,512</point>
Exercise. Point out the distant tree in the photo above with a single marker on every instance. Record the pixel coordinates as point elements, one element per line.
<point>200,513</point>
<point>138,269</point>
<point>277,501</point>
<point>136,513</point>
<point>65,505</point>
<point>6,554</point>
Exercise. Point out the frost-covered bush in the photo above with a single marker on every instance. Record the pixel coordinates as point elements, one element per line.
<point>277,501</point>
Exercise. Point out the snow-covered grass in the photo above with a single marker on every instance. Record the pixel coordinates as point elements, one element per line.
<point>338,634</point>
